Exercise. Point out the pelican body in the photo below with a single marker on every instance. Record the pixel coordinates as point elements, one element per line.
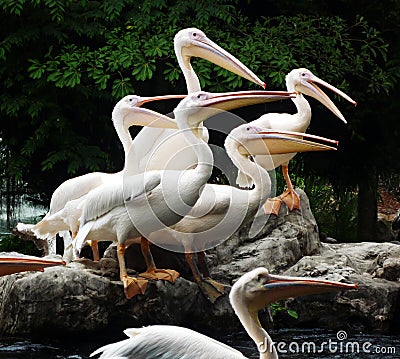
<point>301,81</point>
<point>249,294</point>
<point>222,209</point>
<point>63,212</point>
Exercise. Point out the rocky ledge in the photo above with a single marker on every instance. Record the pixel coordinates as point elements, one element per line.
<point>88,297</point>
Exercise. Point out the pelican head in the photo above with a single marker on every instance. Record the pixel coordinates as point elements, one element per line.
<point>304,81</point>
<point>192,42</point>
<point>254,140</point>
<point>258,288</point>
<point>201,105</point>
<point>129,111</point>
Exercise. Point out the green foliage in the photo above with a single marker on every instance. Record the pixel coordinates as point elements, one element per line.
<point>13,243</point>
<point>277,307</point>
<point>335,210</point>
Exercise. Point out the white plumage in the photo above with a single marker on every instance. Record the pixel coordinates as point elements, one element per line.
<point>304,82</point>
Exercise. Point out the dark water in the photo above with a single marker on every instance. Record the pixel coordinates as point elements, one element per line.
<point>315,343</point>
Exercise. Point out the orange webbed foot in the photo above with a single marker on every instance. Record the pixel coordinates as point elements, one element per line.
<point>291,199</point>
<point>134,286</point>
<point>169,275</point>
<point>272,206</point>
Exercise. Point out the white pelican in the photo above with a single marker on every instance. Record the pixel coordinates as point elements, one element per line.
<point>304,82</point>
<point>153,200</point>
<point>15,262</point>
<point>156,149</point>
<point>252,292</point>
<point>222,209</point>
<point>63,214</point>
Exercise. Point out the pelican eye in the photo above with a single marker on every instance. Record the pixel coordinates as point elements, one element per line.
<point>130,100</point>
<point>195,34</point>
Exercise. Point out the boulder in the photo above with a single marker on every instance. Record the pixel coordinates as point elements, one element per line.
<point>375,306</point>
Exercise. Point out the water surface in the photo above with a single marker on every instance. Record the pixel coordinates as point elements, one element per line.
<point>293,344</point>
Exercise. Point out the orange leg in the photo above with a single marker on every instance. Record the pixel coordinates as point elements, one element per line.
<point>152,272</point>
<point>132,286</point>
<point>211,289</point>
<point>289,197</point>
<point>95,250</point>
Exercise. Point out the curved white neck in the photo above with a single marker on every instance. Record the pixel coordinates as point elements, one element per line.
<point>261,179</point>
<point>124,136</point>
<point>303,115</point>
<point>205,159</point>
<point>192,81</point>
<point>253,328</point>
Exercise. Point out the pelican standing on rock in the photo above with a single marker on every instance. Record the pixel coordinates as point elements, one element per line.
<point>126,113</point>
<point>301,81</point>
<point>68,195</point>
<point>222,209</point>
<point>252,292</point>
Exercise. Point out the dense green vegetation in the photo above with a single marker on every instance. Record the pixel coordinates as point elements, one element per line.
<point>64,64</point>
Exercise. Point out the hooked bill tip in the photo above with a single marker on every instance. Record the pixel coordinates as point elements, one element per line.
<point>264,85</point>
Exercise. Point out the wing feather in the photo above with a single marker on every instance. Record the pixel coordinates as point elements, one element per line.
<point>166,342</point>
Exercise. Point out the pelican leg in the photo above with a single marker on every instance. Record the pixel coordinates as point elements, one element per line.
<point>289,197</point>
<point>211,292</point>
<point>132,286</point>
<point>152,272</point>
<point>95,250</point>
<point>201,261</point>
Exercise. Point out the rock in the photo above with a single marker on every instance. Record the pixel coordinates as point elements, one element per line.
<point>88,297</point>
<point>283,241</point>
<point>73,300</point>
<point>373,307</point>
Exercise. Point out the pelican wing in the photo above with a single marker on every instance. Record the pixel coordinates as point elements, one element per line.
<point>214,199</point>
<point>138,185</point>
<point>106,197</point>
<point>73,189</point>
<point>101,200</point>
<point>166,342</point>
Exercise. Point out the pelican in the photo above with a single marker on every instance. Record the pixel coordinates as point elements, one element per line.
<point>154,200</point>
<point>252,292</point>
<point>301,81</point>
<point>153,148</point>
<point>222,209</point>
<point>63,213</point>
<point>15,262</point>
